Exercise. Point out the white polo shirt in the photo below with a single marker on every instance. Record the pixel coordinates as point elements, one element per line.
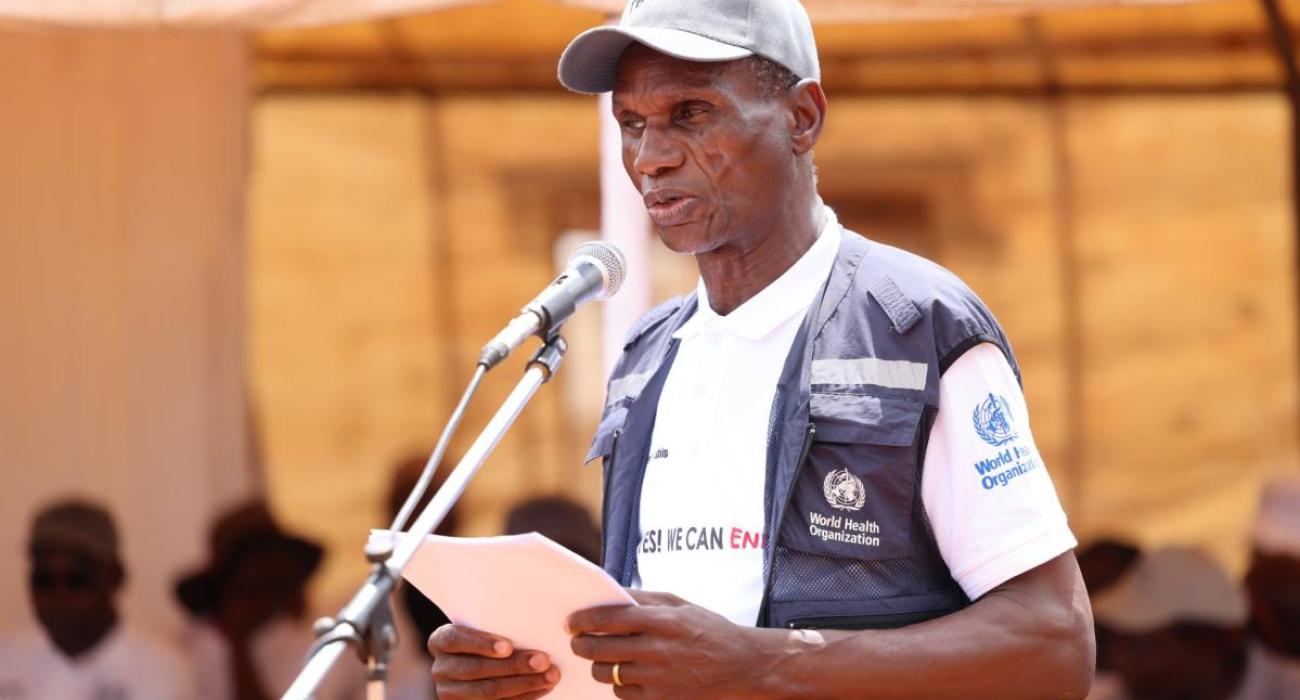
<point>701,508</point>
<point>126,665</point>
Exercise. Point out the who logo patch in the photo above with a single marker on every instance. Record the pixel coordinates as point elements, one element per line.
<point>844,491</point>
<point>992,420</point>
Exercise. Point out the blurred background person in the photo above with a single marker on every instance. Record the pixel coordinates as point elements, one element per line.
<point>1273,585</point>
<point>1178,630</point>
<point>561,519</point>
<point>416,616</point>
<point>1103,563</point>
<point>249,604</point>
<point>84,650</point>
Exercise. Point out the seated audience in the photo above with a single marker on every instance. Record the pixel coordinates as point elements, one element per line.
<point>251,632</point>
<point>1179,628</point>
<point>1102,563</point>
<point>84,651</point>
<point>417,617</point>
<point>560,519</point>
<point>1273,585</point>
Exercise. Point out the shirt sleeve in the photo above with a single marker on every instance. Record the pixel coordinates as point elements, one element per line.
<point>990,500</point>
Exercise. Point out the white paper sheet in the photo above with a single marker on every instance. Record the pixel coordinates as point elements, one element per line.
<point>522,587</point>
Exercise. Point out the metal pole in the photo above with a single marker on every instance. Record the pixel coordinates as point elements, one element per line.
<point>1285,45</point>
<point>1063,215</point>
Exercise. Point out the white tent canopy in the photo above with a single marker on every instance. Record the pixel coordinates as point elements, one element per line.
<point>889,10</point>
<point>287,13</point>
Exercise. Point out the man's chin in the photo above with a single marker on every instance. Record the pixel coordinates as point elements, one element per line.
<point>688,239</point>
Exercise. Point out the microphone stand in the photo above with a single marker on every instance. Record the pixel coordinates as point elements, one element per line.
<point>366,622</point>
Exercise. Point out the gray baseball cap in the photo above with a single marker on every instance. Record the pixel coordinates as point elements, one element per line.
<point>694,30</point>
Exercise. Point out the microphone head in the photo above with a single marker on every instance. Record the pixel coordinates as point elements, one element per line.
<point>608,259</point>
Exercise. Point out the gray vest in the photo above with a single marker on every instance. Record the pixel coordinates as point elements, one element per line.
<point>847,544</point>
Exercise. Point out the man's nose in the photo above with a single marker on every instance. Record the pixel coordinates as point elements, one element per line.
<point>657,152</point>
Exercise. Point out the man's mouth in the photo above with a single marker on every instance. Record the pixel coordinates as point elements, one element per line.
<point>669,208</point>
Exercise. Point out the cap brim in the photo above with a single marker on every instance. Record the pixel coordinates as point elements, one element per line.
<point>590,62</point>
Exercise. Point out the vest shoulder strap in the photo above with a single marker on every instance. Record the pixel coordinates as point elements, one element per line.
<point>902,311</point>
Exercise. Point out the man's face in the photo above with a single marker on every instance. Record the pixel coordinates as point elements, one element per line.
<point>262,585</point>
<point>708,150</point>
<point>73,598</point>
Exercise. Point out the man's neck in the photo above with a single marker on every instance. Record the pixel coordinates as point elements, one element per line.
<point>734,275</point>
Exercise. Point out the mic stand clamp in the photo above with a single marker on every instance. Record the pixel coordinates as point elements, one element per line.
<point>549,356</point>
<point>372,639</point>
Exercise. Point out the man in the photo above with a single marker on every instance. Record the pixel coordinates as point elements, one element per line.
<point>561,520</point>
<point>249,606</point>
<point>86,652</point>
<point>1103,564</point>
<point>416,617</point>
<point>1178,631</point>
<point>1273,584</point>
<point>827,437</point>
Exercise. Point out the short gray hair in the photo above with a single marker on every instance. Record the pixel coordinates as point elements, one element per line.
<point>774,79</point>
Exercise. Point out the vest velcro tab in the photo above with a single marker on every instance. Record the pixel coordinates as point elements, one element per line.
<point>652,318</point>
<point>903,314</point>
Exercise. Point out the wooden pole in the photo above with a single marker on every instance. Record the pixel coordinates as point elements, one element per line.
<point>1063,213</point>
<point>1285,45</point>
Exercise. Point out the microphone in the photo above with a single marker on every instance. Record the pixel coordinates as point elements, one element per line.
<point>594,271</point>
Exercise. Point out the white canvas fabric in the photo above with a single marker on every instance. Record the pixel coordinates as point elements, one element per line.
<point>279,13</point>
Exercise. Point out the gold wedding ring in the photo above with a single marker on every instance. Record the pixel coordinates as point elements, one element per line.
<point>618,682</point>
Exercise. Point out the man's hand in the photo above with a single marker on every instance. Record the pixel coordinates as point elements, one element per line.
<point>1029,638</point>
<point>469,664</point>
<point>668,648</point>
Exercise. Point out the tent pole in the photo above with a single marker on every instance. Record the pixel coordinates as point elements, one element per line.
<point>1064,214</point>
<point>623,222</point>
<point>1285,45</point>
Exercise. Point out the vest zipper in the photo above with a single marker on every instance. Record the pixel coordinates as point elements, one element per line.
<point>604,497</point>
<point>763,612</point>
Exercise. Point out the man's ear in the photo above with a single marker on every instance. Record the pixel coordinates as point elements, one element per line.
<point>808,109</point>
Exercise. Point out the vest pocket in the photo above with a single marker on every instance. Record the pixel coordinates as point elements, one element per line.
<point>854,493</point>
<point>865,622</point>
<point>610,423</point>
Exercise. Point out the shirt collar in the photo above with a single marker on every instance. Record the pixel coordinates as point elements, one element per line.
<point>787,295</point>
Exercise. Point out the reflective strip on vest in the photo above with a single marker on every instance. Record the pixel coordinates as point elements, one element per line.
<point>627,387</point>
<point>892,374</point>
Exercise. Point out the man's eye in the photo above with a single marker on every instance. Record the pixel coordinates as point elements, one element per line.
<point>692,112</point>
<point>633,124</point>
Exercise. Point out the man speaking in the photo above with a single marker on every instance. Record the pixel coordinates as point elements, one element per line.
<point>820,479</point>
